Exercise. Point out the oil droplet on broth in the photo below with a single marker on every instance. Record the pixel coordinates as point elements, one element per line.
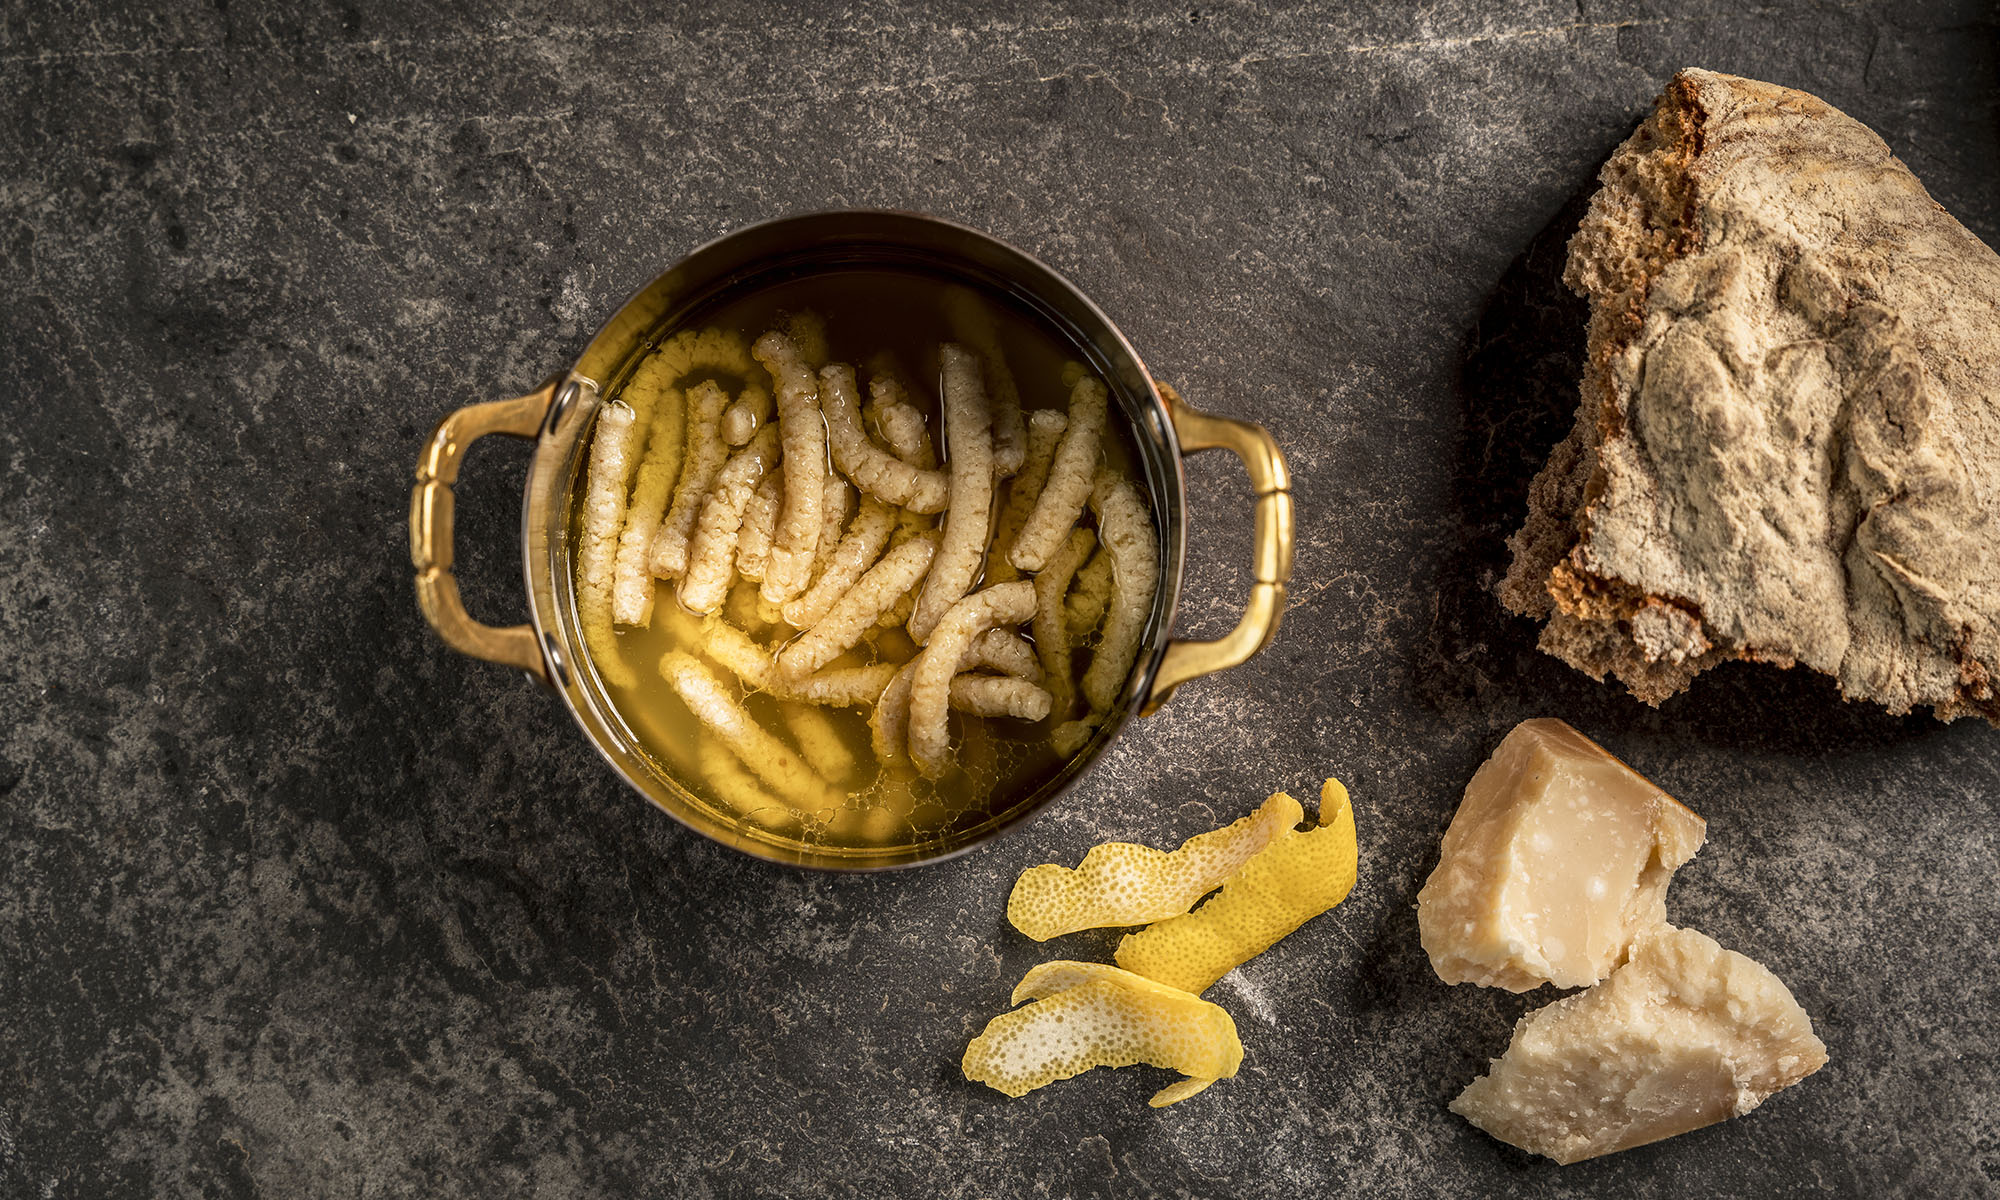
<point>999,762</point>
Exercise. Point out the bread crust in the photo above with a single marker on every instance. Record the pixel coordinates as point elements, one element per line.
<point>1788,442</point>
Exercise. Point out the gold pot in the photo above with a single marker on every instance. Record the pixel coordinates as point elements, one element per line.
<point>558,417</point>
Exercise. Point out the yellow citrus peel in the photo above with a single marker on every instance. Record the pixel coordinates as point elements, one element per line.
<point>1121,883</point>
<point>1088,1015</point>
<point>1296,878</point>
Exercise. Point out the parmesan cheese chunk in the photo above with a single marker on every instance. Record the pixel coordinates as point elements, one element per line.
<point>1684,1035</point>
<point>1557,860</point>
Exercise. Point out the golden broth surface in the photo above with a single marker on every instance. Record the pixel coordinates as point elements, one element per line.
<point>999,762</point>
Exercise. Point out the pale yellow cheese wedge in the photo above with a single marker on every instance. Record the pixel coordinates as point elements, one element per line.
<point>1557,859</point>
<point>1294,879</point>
<point>1121,883</point>
<point>1684,1035</point>
<point>1088,1015</point>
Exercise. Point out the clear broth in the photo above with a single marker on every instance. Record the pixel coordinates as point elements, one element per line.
<point>1000,763</point>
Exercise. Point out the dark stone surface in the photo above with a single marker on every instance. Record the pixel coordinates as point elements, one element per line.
<point>296,902</point>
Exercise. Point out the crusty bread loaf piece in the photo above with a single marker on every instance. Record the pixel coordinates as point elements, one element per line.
<point>1788,447</point>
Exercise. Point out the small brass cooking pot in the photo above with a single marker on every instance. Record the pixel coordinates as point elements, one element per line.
<point>558,416</point>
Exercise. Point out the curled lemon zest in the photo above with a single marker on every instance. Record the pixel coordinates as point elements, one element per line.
<point>1296,878</point>
<point>1121,883</point>
<point>1088,1015</point>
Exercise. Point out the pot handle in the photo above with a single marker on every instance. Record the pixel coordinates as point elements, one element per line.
<point>430,530</point>
<point>1185,660</point>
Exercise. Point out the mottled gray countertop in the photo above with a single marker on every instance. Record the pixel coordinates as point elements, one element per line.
<point>295,902</point>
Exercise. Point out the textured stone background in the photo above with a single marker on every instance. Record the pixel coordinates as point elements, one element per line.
<point>295,902</point>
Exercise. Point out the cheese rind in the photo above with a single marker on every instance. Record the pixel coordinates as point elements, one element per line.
<point>1557,859</point>
<point>1684,1035</point>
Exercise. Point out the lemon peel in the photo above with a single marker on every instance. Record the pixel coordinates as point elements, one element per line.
<point>1088,1015</point>
<point>1051,978</point>
<point>1174,1093</point>
<point>1296,878</point>
<point>1121,883</point>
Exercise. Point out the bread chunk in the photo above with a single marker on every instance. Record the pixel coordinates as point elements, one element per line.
<point>1788,446</point>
